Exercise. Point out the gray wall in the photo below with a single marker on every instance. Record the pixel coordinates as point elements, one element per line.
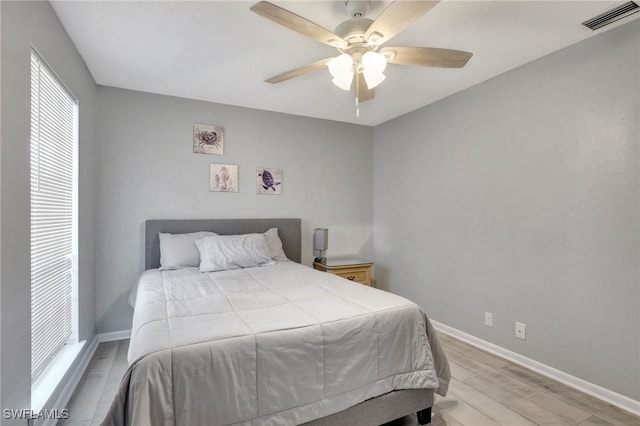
<point>520,197</point>
<point>148,170</point>
<point>27,24</point>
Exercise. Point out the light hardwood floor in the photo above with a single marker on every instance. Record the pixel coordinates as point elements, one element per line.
<point>485,390</point>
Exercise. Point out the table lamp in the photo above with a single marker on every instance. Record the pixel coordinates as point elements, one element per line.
<point>320,244</point>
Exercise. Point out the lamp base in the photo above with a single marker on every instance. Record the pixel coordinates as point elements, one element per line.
<point>321,260</point>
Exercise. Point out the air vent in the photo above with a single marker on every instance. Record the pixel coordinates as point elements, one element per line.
<point>610,16</point>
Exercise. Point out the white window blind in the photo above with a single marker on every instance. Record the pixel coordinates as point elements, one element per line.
<point>53,135</point>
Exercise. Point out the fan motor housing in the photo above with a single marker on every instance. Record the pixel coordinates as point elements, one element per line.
<point>353,30</point>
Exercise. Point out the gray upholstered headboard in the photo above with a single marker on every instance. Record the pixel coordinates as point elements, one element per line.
<point>289,230</point>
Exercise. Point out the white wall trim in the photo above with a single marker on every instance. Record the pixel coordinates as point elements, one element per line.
<point>70,386</point>
<point>114,335</point>
<point>594,390</point>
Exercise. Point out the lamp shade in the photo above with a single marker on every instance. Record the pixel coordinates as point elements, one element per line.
<point>341,68</point>
<point>373,66</point>
<point>321,239</point>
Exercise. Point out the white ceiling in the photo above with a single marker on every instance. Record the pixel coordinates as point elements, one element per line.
<point>220,51</point>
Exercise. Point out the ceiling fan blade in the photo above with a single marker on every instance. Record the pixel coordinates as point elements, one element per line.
<point>363,93</point>
<point>297,23</point>
<point>395,18</point>
<point>426,56</point>
<point>299,71</point>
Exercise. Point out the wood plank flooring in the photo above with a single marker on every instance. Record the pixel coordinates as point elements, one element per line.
<point>485,390</point>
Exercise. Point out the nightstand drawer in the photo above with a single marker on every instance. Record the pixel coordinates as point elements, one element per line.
<point>355,270</point>
<point>359,276</point>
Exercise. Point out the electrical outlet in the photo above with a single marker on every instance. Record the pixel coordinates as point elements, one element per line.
<point>520,331</point>
<point>488,319</point>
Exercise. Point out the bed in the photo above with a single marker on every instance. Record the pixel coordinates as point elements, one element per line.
<point>275,344</point>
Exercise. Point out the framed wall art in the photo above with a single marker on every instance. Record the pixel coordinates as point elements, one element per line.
<point>268,181</point>
<point>223,177</point>
<point>208,139</point>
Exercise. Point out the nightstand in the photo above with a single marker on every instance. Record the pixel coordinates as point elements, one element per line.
<point>351,268</point>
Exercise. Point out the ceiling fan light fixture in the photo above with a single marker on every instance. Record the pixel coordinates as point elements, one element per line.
<point>373,66</point>
<point>341,68</point>
<point>373,80</point>
<point>344,82</point>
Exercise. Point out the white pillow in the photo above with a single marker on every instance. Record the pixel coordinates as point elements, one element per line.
<point>222,252</point>
<point>179,250</point>
<point>274,244</point>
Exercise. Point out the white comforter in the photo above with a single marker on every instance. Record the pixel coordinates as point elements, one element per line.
<point>282,344</point>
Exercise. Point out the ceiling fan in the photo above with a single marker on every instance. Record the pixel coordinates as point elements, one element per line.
<point>362,61</point>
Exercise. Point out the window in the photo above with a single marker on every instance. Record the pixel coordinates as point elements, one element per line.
<point>54,122</point>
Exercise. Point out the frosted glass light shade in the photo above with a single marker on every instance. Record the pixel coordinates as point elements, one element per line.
<point>341,68</point>
<point>373,66</point>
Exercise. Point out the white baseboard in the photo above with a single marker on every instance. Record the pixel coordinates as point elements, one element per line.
<point>114,335</point>
<point>67,391</point>
<point>594,390</point>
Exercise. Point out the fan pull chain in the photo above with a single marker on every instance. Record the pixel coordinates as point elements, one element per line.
<point>357,93</point>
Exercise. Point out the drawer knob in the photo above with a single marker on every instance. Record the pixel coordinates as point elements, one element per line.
<point>351,277</point>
